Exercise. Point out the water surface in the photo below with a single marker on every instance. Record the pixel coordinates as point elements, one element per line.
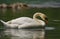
<point>53,15</point>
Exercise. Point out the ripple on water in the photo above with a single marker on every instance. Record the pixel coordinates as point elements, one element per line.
<point>56,20</point>
<point>49,28</point>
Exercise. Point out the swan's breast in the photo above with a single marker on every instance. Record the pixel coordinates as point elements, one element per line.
<point>42,22</point>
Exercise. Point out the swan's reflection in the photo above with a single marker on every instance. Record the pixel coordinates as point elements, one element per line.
<point>25,34</point>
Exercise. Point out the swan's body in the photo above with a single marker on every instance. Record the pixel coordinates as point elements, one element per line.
<point>25,22</point>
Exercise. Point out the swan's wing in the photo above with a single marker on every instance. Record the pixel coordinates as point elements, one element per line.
<point>21,20</point>
<point>12,25</point>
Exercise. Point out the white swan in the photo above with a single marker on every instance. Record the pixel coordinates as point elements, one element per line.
<point>27,22</point>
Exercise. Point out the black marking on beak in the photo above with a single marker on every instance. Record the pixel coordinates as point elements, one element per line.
<point>46,18</point>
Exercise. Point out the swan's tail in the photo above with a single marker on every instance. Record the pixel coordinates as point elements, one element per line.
<point>3,22</point>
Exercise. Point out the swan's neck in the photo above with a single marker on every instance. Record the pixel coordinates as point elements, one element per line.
<point>38,20</point>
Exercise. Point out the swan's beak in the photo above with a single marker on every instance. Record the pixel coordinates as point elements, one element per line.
<point>46,20</point>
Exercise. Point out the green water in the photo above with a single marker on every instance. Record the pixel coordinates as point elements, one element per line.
<point>53,15</point>
<point>29,1</point>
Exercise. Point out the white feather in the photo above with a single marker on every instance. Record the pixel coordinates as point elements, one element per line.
<point>24,22</point>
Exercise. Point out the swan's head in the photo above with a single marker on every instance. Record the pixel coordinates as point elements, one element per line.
<point>43,17</point>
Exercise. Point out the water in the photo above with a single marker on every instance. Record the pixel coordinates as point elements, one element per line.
<point>46,3</point>
<point>28,1</point>
<point>51,31</point>
<point>22,34</point>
